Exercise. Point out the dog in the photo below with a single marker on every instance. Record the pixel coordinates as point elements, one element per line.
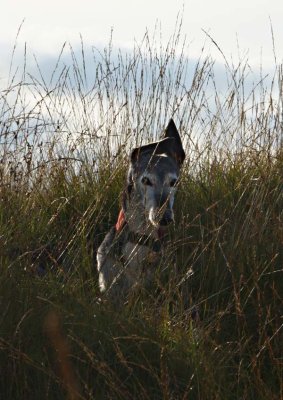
<point>132,249</point>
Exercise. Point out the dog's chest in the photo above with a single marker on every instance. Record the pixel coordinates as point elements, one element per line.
<point>140,260</point>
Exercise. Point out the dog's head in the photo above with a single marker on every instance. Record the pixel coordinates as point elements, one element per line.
<point>154,173</point>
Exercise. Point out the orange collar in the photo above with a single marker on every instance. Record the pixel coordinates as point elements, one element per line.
<point>120,221</point>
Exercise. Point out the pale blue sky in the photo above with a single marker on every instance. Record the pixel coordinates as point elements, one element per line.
<point>50,23</point>
<point>240,28</point>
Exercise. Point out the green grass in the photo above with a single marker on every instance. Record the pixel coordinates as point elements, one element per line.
<point>63,164</point>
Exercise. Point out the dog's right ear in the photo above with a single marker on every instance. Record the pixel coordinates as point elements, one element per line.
<point>135,155</point>
<point>150,148</point>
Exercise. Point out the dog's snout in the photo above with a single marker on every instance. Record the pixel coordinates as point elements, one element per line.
<point>166,219</point>
<point>162,200</point>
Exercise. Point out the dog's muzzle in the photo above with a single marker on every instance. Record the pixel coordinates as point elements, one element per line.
<point>166,219</point>
<point>158,219</point>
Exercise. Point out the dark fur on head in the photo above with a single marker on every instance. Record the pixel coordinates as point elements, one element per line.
<point>170,144</point>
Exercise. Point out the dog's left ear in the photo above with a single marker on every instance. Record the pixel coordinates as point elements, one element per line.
<point>176,147</point>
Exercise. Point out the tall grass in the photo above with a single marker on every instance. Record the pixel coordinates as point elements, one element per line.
<point>64,137</point>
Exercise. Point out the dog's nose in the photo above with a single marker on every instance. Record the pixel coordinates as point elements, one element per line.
<point>166,220</point>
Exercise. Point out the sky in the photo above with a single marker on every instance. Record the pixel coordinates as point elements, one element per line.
<point>240,28</point>
<point>250,31</point>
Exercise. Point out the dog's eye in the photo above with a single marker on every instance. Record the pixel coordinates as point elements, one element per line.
<point>173,182</point>
<point>146,181</point>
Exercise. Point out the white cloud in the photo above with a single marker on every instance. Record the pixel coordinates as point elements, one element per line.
<point>49,24</point>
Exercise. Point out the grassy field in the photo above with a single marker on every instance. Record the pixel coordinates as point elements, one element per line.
<point>64,138</point>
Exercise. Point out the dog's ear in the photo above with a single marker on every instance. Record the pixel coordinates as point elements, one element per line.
<point>170,144</point>
<point>135,154</point>
<point>175,147</point>
<point>151,148</point>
